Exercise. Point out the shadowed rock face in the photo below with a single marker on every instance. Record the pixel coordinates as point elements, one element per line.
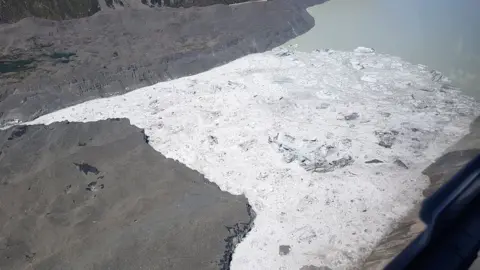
<point>14,10</point>
<point>190,3</point>
<point>97,196</point>
<point>47,65</point>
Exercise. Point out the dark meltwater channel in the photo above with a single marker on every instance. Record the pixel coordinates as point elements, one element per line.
<point>442,34</point>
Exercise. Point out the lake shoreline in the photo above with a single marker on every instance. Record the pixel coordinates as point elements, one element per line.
<point>440,34</point>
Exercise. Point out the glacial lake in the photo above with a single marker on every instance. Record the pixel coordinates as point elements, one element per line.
<point>442,34</point>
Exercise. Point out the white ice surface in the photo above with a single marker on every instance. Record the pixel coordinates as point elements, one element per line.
<point>219,123</point>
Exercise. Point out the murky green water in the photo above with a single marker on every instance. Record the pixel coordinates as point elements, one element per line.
<point>7,66</point>
<point>443,34</point>
<point>15,65</point>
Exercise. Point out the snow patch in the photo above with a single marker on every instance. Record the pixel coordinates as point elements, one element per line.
<point>279,127</point>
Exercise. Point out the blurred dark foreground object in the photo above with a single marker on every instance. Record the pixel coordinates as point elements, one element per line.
<point>452,216</point>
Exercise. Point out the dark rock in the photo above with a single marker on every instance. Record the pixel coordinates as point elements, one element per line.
<point>146,139</point>
<point>92,186</point>
<point>312,267</point>
<point>284,250</point>
<point>325,166</point>
<point>400,163</point>
<point>192,41</point>
<point>67,188</point>
<point>237,233</point>
<point>352,116</point>
<point>373,161</point>
<point>385,144</point>
<point>149,213</point>
<point>110,3</point>
<point>86,168</point>
<point>17,132</point>
<point>342,162</point>
<point>212,139</point>
<point>29,257</point>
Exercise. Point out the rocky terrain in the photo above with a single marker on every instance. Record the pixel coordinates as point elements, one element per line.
<point>97,196</point>
<point>15,10</point>
<point>47,65</point>
<point>343,135</point>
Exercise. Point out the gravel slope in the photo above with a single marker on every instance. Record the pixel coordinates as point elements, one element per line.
<point>97,196</point>
<point>48,65</point>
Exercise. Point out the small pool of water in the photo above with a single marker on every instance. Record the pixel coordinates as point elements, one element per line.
<point>7,66</point>
<point>442,34</point>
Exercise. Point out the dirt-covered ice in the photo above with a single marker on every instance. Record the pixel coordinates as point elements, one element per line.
<point>327,146</point>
